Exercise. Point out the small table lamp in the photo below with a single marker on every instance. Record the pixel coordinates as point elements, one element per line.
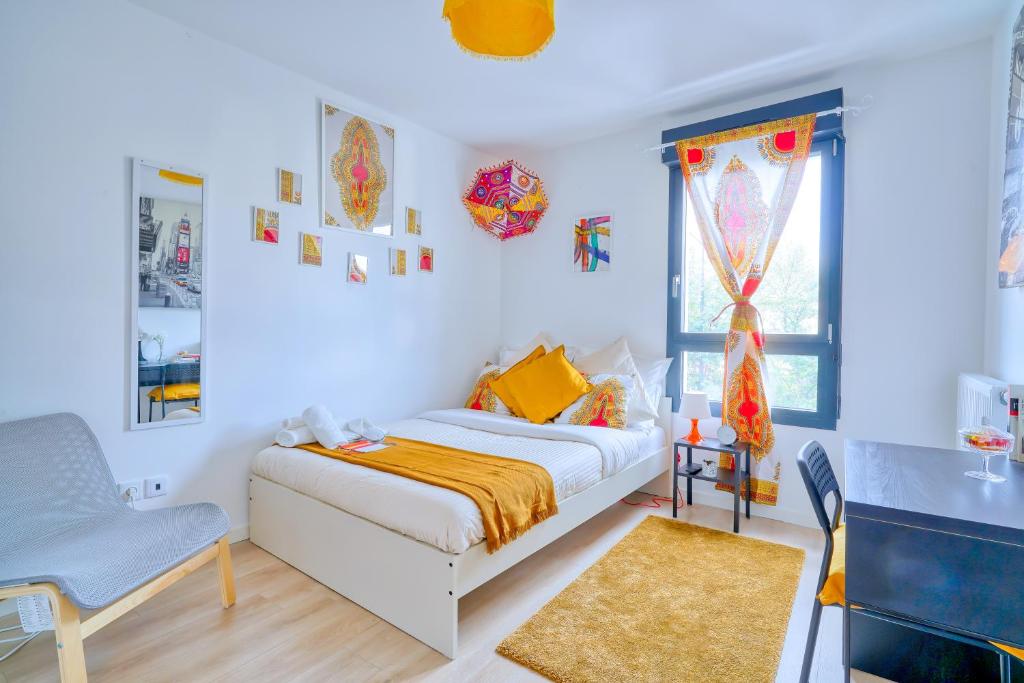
<point>695,407</point>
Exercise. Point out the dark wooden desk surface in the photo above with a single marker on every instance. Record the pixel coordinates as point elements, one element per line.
<point>914,484</point>
<point>930,545</point>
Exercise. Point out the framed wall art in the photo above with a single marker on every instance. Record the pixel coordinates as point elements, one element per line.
<point>357,173</point>
<point>413,221</point>
<point>592,243</point>
<point>396,260</point>
<point>289,187</point>
<point>265,226</point>
<point>425,262</point>
<point>357,268</point>
<point>311,249</point>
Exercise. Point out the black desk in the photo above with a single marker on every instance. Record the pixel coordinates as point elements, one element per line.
<point>927,545</point>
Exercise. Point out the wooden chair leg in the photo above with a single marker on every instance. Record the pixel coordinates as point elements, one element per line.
<point>68,631</point>
<point>812,641</point>
<point>227,576</point>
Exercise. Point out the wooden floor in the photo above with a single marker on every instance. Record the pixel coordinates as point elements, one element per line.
<point>287,627</point>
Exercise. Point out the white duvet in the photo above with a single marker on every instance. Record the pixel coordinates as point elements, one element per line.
<point>576,457</point>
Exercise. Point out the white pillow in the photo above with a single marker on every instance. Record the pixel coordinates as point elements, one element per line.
<point>653,372</point>
<point>615,359</point>
<point>508,357</point>
<point>584,412</point>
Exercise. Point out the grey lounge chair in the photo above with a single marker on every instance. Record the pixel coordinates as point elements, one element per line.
<point>66,533</point>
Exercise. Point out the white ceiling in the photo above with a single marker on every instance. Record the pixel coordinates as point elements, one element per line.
<point>610,63</point>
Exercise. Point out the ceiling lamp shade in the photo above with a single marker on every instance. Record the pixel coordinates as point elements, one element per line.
<point>506,200</point>
<point>501,29</point>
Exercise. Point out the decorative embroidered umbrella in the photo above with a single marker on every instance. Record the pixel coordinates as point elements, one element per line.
<point>505,29</point>
<point>506,200</point>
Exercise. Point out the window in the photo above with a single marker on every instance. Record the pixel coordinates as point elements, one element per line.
<point>799,299</point>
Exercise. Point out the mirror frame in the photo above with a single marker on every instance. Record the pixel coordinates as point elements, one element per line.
<point>133,275</point>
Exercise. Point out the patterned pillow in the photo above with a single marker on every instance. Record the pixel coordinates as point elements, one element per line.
<point>483,397</point>
<point>605,405</point>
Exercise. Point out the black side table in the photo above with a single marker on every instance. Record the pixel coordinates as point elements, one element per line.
<point>738,473</point>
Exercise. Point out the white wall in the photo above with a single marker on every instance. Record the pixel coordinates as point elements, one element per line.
<point>914,250</point>
<point>1004,343</point>
<point>84,87</point>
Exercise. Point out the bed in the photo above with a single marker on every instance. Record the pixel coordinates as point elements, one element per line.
<point>407,551</point>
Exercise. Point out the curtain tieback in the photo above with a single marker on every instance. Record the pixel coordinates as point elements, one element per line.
<point>740,302</point>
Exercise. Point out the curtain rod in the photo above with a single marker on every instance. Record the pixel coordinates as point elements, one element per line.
<point>838,111</point>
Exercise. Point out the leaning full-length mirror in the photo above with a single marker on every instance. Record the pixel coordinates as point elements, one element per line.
<point>168,376</point>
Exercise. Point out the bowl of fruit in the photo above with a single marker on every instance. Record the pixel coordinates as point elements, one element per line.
<point>986,441</point>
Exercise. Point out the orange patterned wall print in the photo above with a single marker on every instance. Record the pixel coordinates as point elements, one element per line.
<point>311,249</point>
<point>426,260</point>
<point>357,173</point>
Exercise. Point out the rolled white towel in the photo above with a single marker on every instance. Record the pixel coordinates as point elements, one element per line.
<point>297,436</point>
<point>325,428</point>
<point>292,423</point>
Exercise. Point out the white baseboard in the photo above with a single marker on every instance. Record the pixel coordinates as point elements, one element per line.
<point>238,533</point>
<point>724,501</point>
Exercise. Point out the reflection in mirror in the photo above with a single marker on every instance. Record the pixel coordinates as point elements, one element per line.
<point>167,377</point>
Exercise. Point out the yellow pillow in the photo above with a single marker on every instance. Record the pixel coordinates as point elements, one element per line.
<point>500,385</point>
<point>547,386</point>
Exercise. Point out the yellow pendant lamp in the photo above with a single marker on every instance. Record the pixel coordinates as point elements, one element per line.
<point>501,29</point>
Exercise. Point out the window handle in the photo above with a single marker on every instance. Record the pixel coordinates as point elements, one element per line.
<point>830,333</point>
<point>676,280</point>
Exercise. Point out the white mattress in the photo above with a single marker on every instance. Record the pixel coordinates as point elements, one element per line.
<point>576,457</point>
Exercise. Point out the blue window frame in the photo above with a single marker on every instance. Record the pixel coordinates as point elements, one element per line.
<point>824,345</point>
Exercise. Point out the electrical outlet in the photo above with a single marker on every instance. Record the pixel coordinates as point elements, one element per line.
<point>156,486</point>
<point>130,490</point>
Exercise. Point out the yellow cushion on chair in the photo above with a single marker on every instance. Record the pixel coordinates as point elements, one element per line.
<point>189,391</point>
<point>547,386</point>
<point>834,590</point>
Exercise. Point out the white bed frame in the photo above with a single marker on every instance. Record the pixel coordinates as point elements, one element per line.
<point>406,582</point>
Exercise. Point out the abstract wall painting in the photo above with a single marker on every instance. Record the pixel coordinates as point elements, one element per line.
<point>311,249</point>
<point>426,260</point>
<point>396,259</point>
<point>265,226</point>
<point>592,243</point>
<point>357,173</point>
<point>413,221</point>
<point>357,268</point>
<point>1011,239</point>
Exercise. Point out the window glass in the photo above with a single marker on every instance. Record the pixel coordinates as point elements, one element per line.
<point>792,382</point>
<point>788,296</point>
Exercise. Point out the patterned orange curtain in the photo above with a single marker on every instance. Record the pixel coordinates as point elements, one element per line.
<point>742,184</point>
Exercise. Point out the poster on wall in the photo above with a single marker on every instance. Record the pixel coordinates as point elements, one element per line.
<point>358,265</point>
<point>357,173</point>
<point>592,243</point>
<point>289,186</point>
<point>265,225</point>
<point>311,249</point>
<point>1011,240</point>
<point>426,260</point>
<point>396,259</point>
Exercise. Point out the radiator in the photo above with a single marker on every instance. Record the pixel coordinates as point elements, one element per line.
<point>982,400</point>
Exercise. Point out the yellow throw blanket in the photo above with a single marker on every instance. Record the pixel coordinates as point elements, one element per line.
<point>512,495</point>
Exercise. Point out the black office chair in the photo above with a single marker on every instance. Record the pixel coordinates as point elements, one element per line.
<point>820,480</point>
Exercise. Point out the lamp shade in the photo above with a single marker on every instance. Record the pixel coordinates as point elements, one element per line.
<point>501,29</point>
<point>695,406</point>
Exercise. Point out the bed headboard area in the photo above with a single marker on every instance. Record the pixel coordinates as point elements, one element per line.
<point>665,418</point>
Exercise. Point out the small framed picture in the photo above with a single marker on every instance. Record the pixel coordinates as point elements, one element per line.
<point>592,243</point>
<point>289,187</point>
<point>426,260</point>
<point>311,249</point>
<point>396,259</point>
<point>265,225</point>
<point>357,267</point>
<point>413,221</point>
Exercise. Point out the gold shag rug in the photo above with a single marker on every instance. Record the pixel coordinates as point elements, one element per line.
<point>670,602</point>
